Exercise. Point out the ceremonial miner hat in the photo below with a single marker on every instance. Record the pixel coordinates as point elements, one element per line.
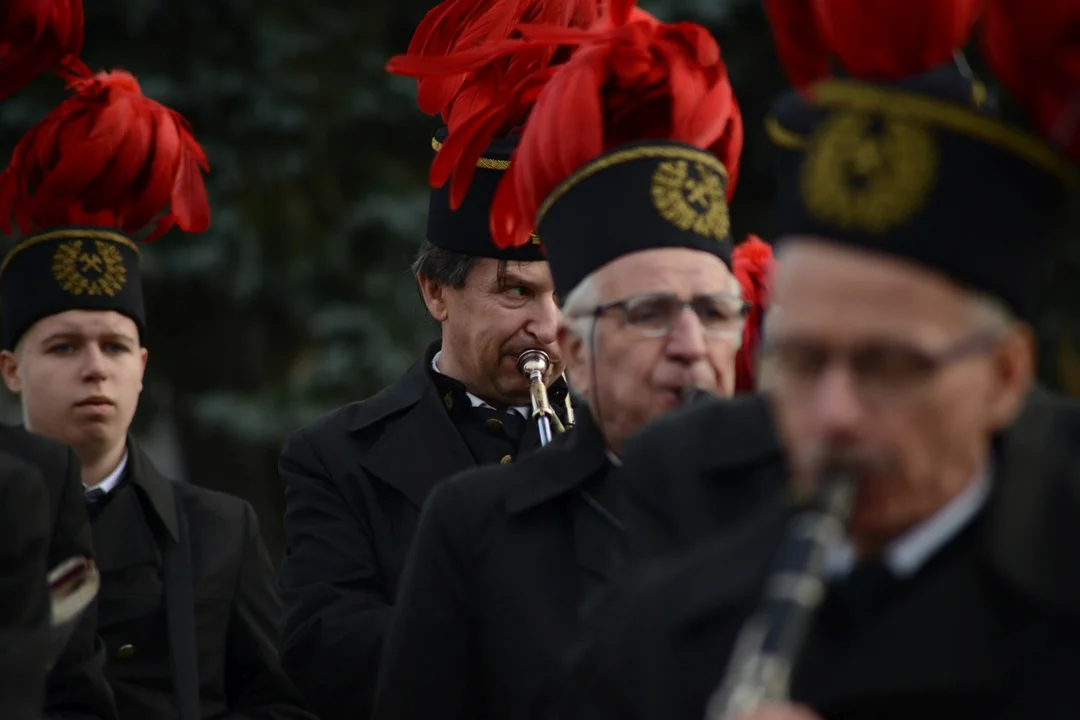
<point>464,190</point>
<point>467,230</point>
<point>902,157</point>
<point>106,166</point>
<point>922,178</point>
<point>637,196</point>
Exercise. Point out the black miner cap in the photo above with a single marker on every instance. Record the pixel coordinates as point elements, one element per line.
<point>917,173</point>
<point>70,269</point>
<point>638,196</point>
<point>467,230</point>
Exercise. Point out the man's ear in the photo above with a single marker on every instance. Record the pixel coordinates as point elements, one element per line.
<point>434,297</point>
<point>1014,370</point>
<point>9,368</point>
<point>144,355</point>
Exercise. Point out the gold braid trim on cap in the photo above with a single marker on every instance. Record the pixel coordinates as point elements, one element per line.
<point>915,108</point>
<point>781,136</point>
<point>483,163</point>
<point>678,186</point>
<point>69,234</point>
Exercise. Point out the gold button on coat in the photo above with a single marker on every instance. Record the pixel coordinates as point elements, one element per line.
<point>493,426</point>
<point>125,651</point>
<point>506,460</point>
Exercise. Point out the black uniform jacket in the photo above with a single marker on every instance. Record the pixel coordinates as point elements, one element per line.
<point>355,481</point>
<point>236,608</point>
<point>76,687</point>
<point>492,596</point>
<point>987,629</point>
<point>24,599</point>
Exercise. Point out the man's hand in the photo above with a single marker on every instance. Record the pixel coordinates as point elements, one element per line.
<point>782,712</point>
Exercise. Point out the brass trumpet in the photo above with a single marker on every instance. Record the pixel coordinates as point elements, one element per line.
<point>534,364</point>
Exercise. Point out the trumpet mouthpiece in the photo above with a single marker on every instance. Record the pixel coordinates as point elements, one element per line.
<point>532,362</point>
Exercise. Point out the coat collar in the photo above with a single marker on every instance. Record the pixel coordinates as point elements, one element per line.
<point>156,487</point>
<point>568,461</point>
<point>1033,517</point>
<point>421,446</point>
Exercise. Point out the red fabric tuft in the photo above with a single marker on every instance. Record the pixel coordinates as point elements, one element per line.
<point>35,37</point>
<point>456,26</point>
<point>107,156</point>
<point>1034,49</point>
<point>884,40</point>
<point>753,264</point>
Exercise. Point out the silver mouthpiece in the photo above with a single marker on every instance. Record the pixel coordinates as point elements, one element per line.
<point>533,363</point>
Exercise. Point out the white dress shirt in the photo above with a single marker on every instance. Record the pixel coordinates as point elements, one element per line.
<point>110,482</point>
<point>909,552</point>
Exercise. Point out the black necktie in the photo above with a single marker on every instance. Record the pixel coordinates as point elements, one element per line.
<point>95,502</point>
<point>94,496</point>
<point>866,589</point>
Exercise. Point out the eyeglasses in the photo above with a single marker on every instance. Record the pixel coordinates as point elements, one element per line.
<point>721,315</point>
<point>880,371</point>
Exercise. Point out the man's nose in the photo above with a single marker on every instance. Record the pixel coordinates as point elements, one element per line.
<point>544,319</point>
<point>686,338</point>
<point>837,407</point>
<point>95,363</point>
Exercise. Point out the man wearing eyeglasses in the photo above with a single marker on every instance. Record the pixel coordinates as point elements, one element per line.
<point>506,559</point>
<point>898,355</point>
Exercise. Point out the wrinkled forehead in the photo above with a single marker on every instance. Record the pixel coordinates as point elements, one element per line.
<point>682,271</point>
<point>487,273</point>
<point>834,293</point>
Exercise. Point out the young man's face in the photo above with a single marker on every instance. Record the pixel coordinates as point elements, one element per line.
<point>79,374</point>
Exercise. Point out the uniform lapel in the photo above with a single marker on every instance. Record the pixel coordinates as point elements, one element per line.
<point>155,488</point>
<point>574,468</point>
<point>422,447</point>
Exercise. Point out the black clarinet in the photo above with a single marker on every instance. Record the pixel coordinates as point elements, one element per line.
<point>769,644</point>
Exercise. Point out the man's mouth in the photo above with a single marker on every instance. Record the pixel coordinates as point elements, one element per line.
<point>95,402</point>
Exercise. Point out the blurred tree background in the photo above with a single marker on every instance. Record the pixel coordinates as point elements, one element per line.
<point>299,299</point>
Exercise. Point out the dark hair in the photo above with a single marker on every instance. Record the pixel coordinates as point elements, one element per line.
<point>445,267</point>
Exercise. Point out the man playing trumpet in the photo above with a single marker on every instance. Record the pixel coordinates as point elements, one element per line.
<point>506,558</point>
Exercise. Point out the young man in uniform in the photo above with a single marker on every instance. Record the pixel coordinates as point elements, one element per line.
<point>507,558</point>
<point>901,368</point>
<point>355,479</point>
<point>187,608</point>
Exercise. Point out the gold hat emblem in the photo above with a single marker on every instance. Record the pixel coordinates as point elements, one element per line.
<point>692,200</point>
<point>867,174</point>
<point>100,272</point>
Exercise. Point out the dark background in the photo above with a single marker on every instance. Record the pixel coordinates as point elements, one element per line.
<point>299,299</point>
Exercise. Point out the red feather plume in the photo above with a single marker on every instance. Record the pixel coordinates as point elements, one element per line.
<point>630,78</point>
<point>107,156</point>
<point>884,40</point>
<point>1034,49</point>
<point>753,264</point>
<point>457,25</point>
<point>35,37</point>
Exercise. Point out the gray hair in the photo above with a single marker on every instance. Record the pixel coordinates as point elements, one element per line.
<point>988,311</point>
<point>581,300</point>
